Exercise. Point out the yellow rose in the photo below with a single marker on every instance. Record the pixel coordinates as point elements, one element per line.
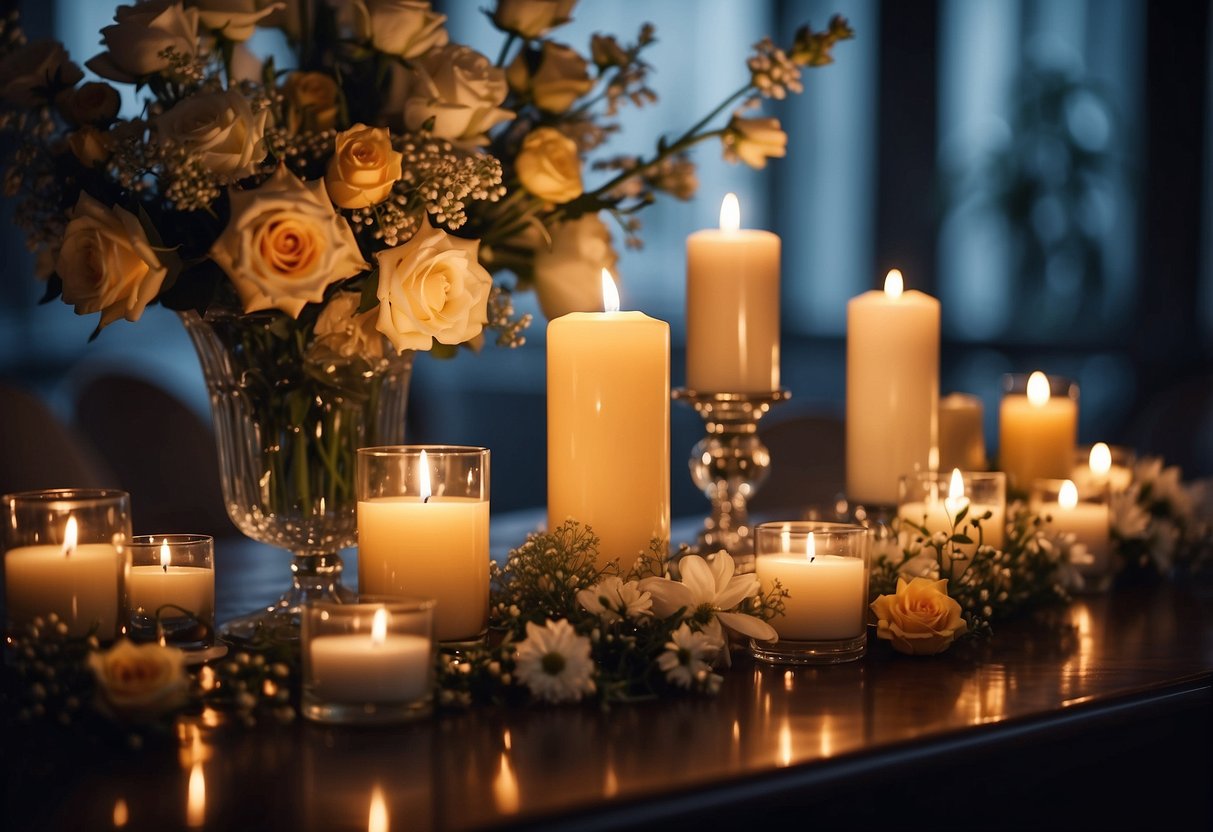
<point>432,287</point>
<point>548,165</point>
<point>365,167</point>
<point>285,244</point>
<point>531,18</point>
<point>560,77</point>
<point>90,145</point>
<point>312,99</point>
<point>140,681</point>
<point>342,331</point>
<point>754,140</point>
<point>106,263</point>
<point>920,620</point>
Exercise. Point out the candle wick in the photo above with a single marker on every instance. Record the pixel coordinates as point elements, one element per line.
<point>425,499</point>
<point>813,558</point>
<point>164,566</point>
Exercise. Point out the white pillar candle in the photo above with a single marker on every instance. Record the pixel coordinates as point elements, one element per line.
<point>1038,432</point>
<point>962,442</point>
<point>150,587</point>
<point>609,426</point>
<point>892,389</point>
<point>361,668</point>
<point>732,307</point>
<point>827,594</point>
<point>1088,521</point>
<point>81,583</point>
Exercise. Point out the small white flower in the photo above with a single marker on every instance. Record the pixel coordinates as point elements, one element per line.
<point>708,594</point>
<point>612,600</point>
<point>688,654</point>
<point>554,662</point>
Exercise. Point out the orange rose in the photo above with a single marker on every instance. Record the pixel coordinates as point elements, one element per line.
<point>920,619</point>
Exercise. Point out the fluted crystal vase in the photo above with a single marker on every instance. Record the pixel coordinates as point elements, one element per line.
<point>290,412</point>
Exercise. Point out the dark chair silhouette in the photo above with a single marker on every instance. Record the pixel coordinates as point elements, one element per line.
<point>37,450</point>
<point>808,459</point>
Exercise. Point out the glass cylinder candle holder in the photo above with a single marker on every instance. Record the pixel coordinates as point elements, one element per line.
<point>65,551</point>
<point>824,568</point>
<point>962,441</point>
<point>423,530</point>
<point>1087,517</point>
<point>369,662</point>
<point>934,500</point>
<point>1102,468</point>
<point>170,590</point>
<point>1037,428</point>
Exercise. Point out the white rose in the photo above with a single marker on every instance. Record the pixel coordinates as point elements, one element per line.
<point>236,20</point>
<point>30,72</point>
<point>568,275</point>
<point>460,90</point>
<point>754,140</point>
<point>285,244</point>
<point>561,78</point>
<point>140,682</point>
<point>531,18</point>
<point>220,130</point>
<point>343,331</point>
<point>106,263</point>
<point>407,28</point>
<point>548,165</point>
<point>432,288</point>
<point>140,34</point>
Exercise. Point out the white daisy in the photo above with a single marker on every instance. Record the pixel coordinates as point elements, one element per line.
<point>688,656</point>
<point>707,594</point>
<point>612,599</point>
<point>554,662</point>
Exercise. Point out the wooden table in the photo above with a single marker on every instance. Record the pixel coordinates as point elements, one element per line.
<point>1104,723</point>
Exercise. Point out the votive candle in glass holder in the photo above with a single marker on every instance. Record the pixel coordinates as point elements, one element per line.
<point>1086,516</point>
<point>1037,428</point>
<point>1102,468</point>
<point>369,662</point>
<point>423,530</point>
<point>65,551</point>
<point>170,590</point>
<point>824,568</point>
<point>935,499</point>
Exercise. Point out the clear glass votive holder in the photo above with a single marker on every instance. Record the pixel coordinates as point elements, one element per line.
<point>370,662</point>
<point>1109,469</point>
<point>423,530</point>
<point>1088,518</point>
<point>170,590</point>
<point>65,551</point>
<point>1037,428</point>
<point>934,499</point>
<point>824,568</point>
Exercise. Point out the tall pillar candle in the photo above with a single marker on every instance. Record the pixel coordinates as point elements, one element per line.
<point>732,307</point>
<point>1038,428</point>
<point>892,389</point>
<point>609,426</point>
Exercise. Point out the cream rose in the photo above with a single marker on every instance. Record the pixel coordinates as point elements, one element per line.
<point>920,619</point>
<point>341,330</point>
<point>93,103</point>
<point>140,34</point>
<point>754,140</point>
<point>532,18</point>
<point>568,274</point>
<point>432,288</point>
<point>548,165</point>
<point>33,73</point>
<point>220,130</point>
<point>140,681</point>
<point>90,145</point>
<point>407,28</point>
<point>106,263</point>
<point>364,167</point>
<point>560,78</point>
<point>235,20</point>
<point>285,244</point>
<point>460,90</point>
<point>312,99</point>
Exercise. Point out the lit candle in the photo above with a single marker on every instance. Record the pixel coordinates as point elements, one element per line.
<point>174,588</point>
<point>386,667</point>
<point>81,583</point>
<point>892,389</point>
<point>940,515</point>
<point>732,307</point>
<point>1037,433</point>
<point>432,545</point>
<point>1087,520</point>
<point>1099,473</point>
<point>826,593</point>
<point>962,442</point>
<point>609,426</point>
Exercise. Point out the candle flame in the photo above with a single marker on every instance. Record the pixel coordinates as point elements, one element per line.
<point>378,820</point>
<point>810,548</point>
<point>730,213</point>
<point>195,802</point>
<point>70,535</point>
<point>165,558</point>
<point>956,500</point>
<point>426,492</point>
<point>1101,459</point>
<point>379,627</point>
<point>1038,389</point>
<point>894,284</point>
<point>1067,496</point>
<point>610,294</point>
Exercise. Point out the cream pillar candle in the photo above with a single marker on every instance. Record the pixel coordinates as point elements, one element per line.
<point>150,587</point>
<point>826,594</point>
<point>892,389</point>
<point>609,426</point>
<point>1038,431</point>
<point>381,667</point>
<point>962,442</point>
<point>732,307</point>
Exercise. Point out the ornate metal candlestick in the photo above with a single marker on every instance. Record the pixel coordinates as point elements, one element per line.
<point>729,463</point>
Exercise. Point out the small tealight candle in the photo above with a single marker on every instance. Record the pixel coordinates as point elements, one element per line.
<point>977,491</point>
<point>1102,468</point>
<point>170,589</point>
<point>1087,519</point>
<point>1038,428</point>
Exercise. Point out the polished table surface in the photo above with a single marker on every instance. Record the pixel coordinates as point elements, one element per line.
<point>1053,726</point>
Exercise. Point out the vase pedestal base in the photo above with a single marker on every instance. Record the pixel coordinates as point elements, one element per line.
<point>314,578</point>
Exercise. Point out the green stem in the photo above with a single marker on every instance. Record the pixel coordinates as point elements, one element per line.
<point>505,49</point>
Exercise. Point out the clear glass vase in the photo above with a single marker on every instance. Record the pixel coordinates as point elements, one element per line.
<point>290,414</point>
